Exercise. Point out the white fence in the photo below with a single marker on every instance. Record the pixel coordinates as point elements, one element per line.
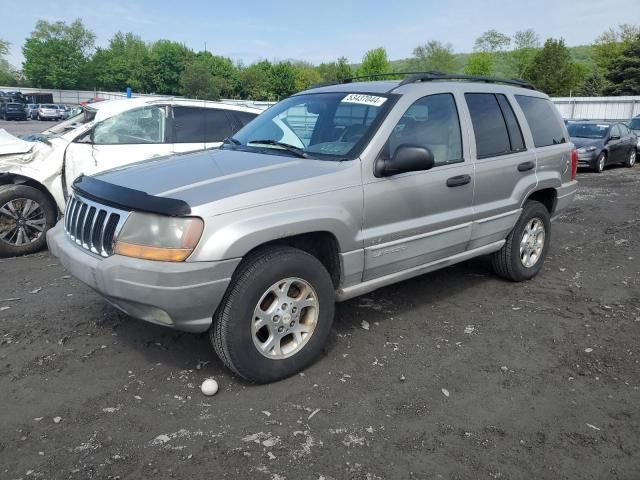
<point>598,108</point>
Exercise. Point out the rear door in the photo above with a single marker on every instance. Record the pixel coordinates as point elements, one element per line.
<point>131,136</point>
<point>505,169</point>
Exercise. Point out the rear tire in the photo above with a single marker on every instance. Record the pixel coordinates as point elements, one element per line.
<point>526,247</point>
<point>29,210</point>
<point>631,159</point>
<point>601,163</point>
<point>275,316</point>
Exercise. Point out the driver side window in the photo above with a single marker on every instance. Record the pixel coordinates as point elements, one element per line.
<point>431,122</point>
<point>137,126</point>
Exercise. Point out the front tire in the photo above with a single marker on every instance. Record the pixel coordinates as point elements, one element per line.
<point>601,162</point>
<point>275,316</point>
<point>631,159</point>
<point>523,254</point>
<point>26,214</point>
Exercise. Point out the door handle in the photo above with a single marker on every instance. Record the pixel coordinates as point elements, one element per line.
<point>458,180</point>
<point>523,167</point>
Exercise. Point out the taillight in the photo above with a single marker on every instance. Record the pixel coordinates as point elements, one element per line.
<point>574,164</point>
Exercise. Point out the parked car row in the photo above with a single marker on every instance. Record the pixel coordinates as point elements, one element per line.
<point>34,111</point>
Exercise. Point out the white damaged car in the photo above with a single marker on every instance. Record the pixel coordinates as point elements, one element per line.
<point>36,170</point>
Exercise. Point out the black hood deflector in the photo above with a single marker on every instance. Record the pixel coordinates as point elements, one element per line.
<point>127,198</point>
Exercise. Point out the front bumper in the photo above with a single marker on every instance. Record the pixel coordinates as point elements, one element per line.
<point>587,159</point>
<point>180,295</point>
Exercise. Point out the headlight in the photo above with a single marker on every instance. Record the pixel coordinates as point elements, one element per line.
<point>154,237</point>
<point>586,149</point>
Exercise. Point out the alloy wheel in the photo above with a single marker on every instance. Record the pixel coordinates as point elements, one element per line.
<point>285,318</point>
<point>532,242</point>
<point>22,221</point>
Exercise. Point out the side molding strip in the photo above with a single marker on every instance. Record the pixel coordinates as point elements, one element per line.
<point>371,285</point>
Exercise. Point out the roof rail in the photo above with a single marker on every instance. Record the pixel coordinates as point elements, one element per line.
<point>414,77</point>
<point>431,76</point>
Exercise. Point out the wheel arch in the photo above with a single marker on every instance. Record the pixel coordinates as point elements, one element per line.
<point>17,179</point>
<point>547,196</point>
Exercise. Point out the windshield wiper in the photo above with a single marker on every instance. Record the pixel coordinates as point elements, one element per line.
<point>299,152</point>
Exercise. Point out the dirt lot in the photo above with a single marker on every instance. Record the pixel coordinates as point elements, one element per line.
<point>458,375</point>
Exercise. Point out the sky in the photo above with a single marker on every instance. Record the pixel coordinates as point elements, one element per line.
<point>250,30</point>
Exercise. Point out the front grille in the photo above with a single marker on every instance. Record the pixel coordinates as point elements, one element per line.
<point>93,226</point>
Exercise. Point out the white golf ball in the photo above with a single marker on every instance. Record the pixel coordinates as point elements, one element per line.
<point>209,387</point>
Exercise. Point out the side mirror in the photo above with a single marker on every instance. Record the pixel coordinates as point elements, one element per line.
<point>407,158</point>
<point>614,137</point>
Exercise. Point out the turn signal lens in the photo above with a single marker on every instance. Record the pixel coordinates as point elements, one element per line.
<point>152,253</point>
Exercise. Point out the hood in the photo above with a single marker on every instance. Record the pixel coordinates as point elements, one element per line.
<point>10,144</point>
<point>205,177</point>
<point>580,142</point>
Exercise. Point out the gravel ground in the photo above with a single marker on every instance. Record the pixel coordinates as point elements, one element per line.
<point>455,374</point>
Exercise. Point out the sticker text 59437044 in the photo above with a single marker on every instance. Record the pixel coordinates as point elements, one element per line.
<point>372,100</point>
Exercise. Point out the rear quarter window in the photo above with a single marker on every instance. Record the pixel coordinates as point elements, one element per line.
<point>542,118</point>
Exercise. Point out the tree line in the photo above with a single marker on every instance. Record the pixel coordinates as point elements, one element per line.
<point>64,56</point>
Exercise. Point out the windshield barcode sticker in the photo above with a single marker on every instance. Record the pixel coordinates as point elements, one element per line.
<point>364,99</point>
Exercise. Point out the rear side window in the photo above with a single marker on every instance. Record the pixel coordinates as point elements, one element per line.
<point>200,125</point>
<point>244,117</point>
<point>543,120</point>
<point>513,127</point>
<point>188,125</point>
<point>489,127</point>
<point>217,125</point>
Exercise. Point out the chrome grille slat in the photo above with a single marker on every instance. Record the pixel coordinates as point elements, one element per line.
<point>93,226</point>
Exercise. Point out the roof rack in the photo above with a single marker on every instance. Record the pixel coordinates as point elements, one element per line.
<point>415,77</point>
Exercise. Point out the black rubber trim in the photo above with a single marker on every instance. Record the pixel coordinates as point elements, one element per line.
<point>128,198</point>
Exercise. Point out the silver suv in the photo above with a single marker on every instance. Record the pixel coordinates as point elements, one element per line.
<point>329,194</point>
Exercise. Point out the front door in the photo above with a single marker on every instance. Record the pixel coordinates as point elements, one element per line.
<point>131,136</point>
<point>416,218</point>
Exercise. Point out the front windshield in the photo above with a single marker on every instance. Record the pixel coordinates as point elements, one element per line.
<point>634,124</point>
<point>322,125</point>
<point>587,130</point>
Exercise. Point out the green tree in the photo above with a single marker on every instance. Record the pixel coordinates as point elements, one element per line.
<point>7,75</point>
<point>479,63</point>
<point>122,64</point>
<point>553,70</point>
<point>198,82</point>
<point>334,71</point>
<point>611,44</point>
<point>255,82</point>
<point>491,41</point>
<point>593,85</point>
<point>526,44</point>
<point>167,62</point>
<point>56,54</point>
<point>283,81</point>
<point>374,62</point>
<point>624,71</point>
<point>434,56</point>
<point>306,76</point>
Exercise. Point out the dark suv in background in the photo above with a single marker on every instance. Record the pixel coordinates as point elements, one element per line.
<point>13,111</point>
